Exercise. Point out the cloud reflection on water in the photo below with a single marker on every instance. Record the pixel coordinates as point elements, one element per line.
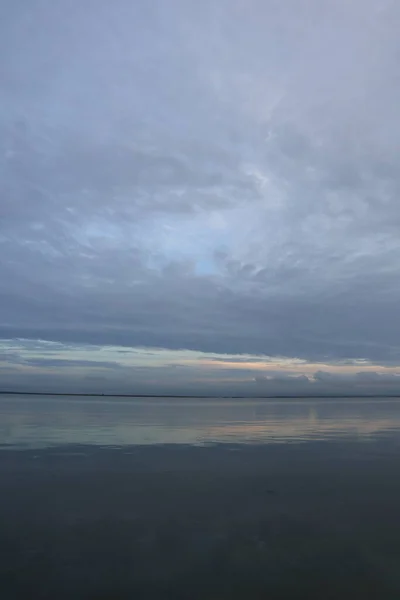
<point>37,422</point>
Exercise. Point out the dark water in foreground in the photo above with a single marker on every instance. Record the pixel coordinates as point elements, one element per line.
<point>159,499</point>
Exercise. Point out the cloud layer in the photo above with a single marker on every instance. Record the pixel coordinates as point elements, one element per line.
<point>219,176</point>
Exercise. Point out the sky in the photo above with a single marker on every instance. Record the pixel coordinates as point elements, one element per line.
<point>200,197</point>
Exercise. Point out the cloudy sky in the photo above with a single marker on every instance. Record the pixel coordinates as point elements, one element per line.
<point>200,197</point>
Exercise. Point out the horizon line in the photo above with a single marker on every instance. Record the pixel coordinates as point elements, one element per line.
<point>117,395</point>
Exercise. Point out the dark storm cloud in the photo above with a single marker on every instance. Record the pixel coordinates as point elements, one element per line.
<point>220,176</point>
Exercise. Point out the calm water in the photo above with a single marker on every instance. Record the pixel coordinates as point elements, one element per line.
<point>34,422</point>
<point>284,515</point>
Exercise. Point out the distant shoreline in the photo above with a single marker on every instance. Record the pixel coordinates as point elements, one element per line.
<point>279,397</point>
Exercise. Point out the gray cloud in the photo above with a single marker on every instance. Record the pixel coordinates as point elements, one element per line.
<point>219,176</point>
<point>321,382</point>
<point>70,363</point>
<point>28,366</point>
<point>27,359</point>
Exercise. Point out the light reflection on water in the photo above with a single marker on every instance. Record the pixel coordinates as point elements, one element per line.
<point>34,421</point>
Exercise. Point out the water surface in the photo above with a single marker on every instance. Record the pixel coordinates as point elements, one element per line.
<point>110,498</point>
<point>34,421</point>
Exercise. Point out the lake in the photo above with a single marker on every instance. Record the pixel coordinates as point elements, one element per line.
<point>200,499</point>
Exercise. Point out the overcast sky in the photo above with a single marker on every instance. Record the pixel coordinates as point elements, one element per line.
<point>200,197</point>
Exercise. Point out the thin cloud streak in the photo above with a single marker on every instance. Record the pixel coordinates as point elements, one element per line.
<point>44,366</point>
